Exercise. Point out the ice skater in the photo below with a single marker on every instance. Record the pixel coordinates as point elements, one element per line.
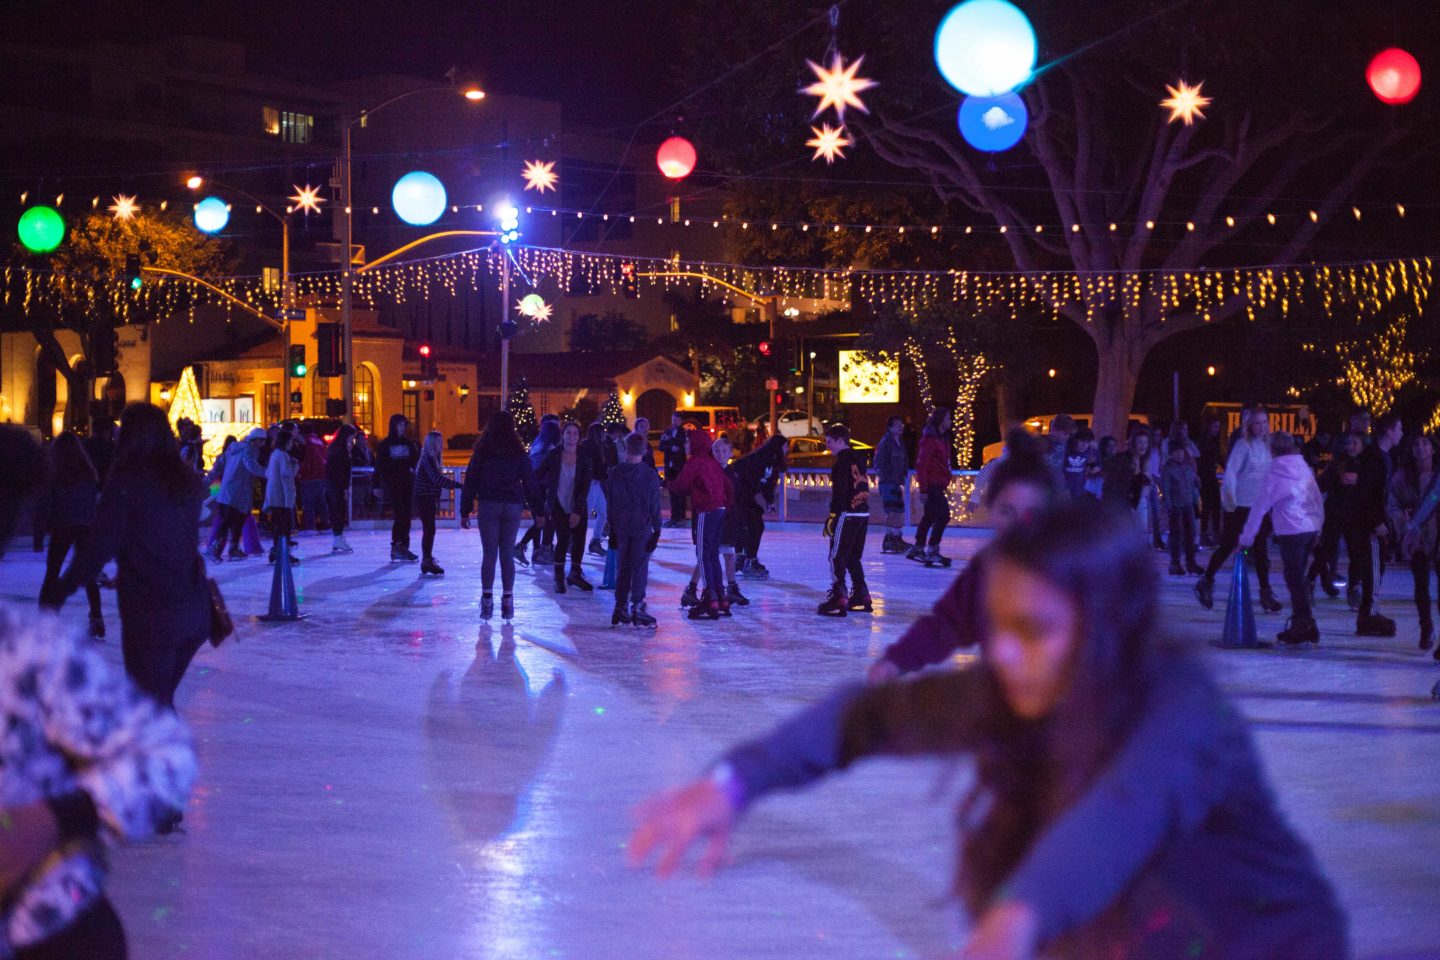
<point>846,526</point>
<point>932,473</point>
<point>1244,473</point>
<point>565,475</point>
<point>1289,499</point>
<point>1414,495</point>
<point>710,493</point>
<point>892,470</point>
<point>499,484</point>
<point>1119,806</point>
<point>430,479</point>
<point>395,464</point>
<point>632,490</point>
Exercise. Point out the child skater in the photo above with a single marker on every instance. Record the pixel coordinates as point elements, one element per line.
<point>632,494</point>
<point>846,526</point>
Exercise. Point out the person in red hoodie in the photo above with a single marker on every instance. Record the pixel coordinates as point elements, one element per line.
<point>932,472</point>
<point>310,479</point>
<point>711,493</point>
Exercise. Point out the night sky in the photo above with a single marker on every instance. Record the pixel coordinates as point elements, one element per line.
<point>608,63</point>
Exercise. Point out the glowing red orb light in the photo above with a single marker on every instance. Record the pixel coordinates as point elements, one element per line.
<point>424,349</point>
<point>676,158</point>
<point>1394,76</point>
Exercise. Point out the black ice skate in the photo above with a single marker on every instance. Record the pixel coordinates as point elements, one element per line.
<point>428,567</point>
<point>834,604</point>
<point>1374,625</point>
<point>640,617</point>
<point>578,581</point>
<point>934,558</point>
<point>619,615</point>
<point>860,601</point>
<point>705,609</point>
<point>689,598</point>
<point>487,606</point>
<point>1268,601</point>
<point>735,597</point>
<point>1295,633</point>
<point>1205,592</point>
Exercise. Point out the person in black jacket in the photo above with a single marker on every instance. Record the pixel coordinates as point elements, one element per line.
<point>633,490</point>
<point>501,481</point>
<point>1119,806</point>
<point>70,511</point>
<point>430,479</point>
<point>148,521</point>
<point>846,526</point>
<point>672,447</point>
<point>1366,524</point>
<point>565,475</point>
<point>756,476</point>
<point>395,464</point>
<point>338,464</point>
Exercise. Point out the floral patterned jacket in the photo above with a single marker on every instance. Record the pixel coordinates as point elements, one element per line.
<point>78,735</point>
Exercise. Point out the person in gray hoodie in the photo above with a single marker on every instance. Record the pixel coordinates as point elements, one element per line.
<point>236,471</point>
<point>893,466</point>
<point>632,494</point>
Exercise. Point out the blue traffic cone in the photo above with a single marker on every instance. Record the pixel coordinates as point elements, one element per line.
<point>283,603</point>
<point>607,582</point>
<point>1239,614</point>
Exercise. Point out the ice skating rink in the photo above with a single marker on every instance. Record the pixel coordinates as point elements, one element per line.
<point>391,778</point>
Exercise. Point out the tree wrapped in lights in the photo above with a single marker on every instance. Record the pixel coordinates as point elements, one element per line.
<point>525,424</point>
<point>611,412</point>
<point>1373,368</point>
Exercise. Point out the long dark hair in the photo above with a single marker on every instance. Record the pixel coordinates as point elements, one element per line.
<point>1408,464</point>
<point>549,435</point>
<point>148,446</point>
<point>1031,771</point>
<point>936,418</point>
<point>499,438</point>
<point>69,463</point>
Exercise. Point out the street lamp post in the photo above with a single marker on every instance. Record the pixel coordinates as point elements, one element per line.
<point>347,267</point>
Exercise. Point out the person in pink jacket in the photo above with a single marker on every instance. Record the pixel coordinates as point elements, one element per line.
<point>1291,497</point>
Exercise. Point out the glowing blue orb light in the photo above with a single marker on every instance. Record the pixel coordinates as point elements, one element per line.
<point>985,48</point>
<point>211,215</point>
<point>418,198</point>
<point>993,124</point>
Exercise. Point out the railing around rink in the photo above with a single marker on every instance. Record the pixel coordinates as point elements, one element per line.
<point>369,505</point>
<point>803,496</point>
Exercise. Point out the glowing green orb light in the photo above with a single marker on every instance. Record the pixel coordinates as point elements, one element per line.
<point>41,229</point>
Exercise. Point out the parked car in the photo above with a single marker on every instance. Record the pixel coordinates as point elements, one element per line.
<point>791,423</point>
<point>811,453</point>
<point>1041,427</point>
<point>715,420</point>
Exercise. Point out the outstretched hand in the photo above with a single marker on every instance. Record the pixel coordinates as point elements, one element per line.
<point>670,823</point>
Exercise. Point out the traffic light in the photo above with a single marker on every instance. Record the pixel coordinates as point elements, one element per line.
<point>779,399</point>
<point>629,280</point>
<point>330,361</point>
<point>764,348</point>
<point>105,351</point>
<point>298,367</point>
<point>132,271</point>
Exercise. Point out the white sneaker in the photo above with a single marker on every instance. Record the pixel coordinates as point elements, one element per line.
<point>340,546</point>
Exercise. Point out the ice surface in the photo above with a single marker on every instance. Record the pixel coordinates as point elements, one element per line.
<point>390,778</point>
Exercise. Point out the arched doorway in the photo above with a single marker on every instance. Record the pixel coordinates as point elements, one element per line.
<point>656,406</point>
<point>367,400</point>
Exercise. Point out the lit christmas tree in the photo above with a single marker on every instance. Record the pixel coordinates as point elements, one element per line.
<point>523,413</point>
<point>612,411</point>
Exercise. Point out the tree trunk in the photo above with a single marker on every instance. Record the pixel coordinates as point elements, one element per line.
<point>1007,403</point>
<point>1117,375</point>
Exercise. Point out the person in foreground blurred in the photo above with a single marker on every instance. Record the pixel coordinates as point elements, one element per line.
<point>1119,808</point>
<point>85,761</point>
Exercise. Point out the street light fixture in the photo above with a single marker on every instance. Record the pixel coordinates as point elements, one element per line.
<point>471,92</point>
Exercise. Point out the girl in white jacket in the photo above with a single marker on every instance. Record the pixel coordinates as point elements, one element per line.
<point>1244,473</point>
<point>280,491</point>
<point>1291,498</point>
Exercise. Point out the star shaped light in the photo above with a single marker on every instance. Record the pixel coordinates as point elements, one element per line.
<point>1185,102</point>
<point>540,176</point>
<point>838,87</point>
<point>829,142</point>
<point>307,198</point>
<point>542,313</point>
<point>124,208</point>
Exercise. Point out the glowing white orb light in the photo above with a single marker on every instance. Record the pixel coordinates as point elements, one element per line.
<point>211,215</point>
<point>985,48</point>
<point>418,198</point>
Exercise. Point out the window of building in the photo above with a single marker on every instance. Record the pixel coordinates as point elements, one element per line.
<point>288,125</point>
<point>296,127</point>
<point>272,402</point>
<point>365,399</point>
<point>319,393</point>
<point>410,404</point>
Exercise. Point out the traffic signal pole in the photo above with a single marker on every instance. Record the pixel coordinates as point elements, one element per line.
<point>504,340</point>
